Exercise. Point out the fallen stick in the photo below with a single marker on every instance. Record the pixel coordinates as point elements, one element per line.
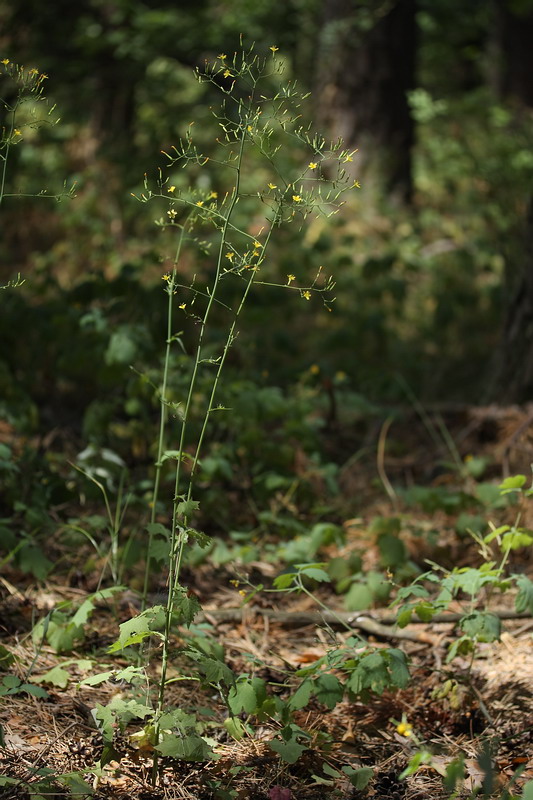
<point>384,627</point>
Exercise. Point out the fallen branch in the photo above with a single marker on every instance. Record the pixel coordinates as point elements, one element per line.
<point>384,627</point>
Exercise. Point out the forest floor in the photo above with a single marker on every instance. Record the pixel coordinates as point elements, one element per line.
<point>487,715</point>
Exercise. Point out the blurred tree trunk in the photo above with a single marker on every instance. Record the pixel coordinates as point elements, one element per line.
<point>514,42</point>
<point>512,380</point>
<point>365,67</point>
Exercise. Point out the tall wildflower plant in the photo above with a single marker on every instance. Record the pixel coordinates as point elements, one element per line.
<point>23,106</point>
<point>257,125</point>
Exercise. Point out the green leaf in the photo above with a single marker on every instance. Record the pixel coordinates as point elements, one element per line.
<point>425,610</point>
<point>95,680</point>
<point>104,718</point>
<point>35,691</point>
<point>6,657</point>
<point>139,627</point>
<point>235,728</point>
<point>11,681</point>
<point>524,598</point>
<point>392,550</point>
<point>483,627</point>
<point>57,676</point>
<point>527,794</point>
<point>316,574</point>
<point>78,787</point>
<point>284,580</point>
<point>513,483</point>
<point>329,690</point>
<point>242,697</point>
<point>404,617</point>
<point>358,598</point>
<point>187,748</point>
<point>187,508</point>
<point>156,529</point>
<point>398,667</point>
<point>187,606</point>
<point>289,751</point>
<point>359,778</point>
<point>301,696</point>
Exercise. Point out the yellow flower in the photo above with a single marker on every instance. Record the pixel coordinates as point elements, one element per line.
<point>5,61</point>
<point>172,213</point>
<point>222,56</point>
<point>272,186</point>
<point>312,165</point>
<point>404,729</point>
<point>200,203</point>
<point>307,295</point>
<point>348,158</point>
<point>297,198</point>
<point>182,305</point>
<point>290,279</point>
<point>230,256</point>
<point>274,48</point>
<point>165,277</point>
<point>257,244</point>
<point>33,71</point>
<point>43,76</point>
<point>242,592</point>
<point>17,132</point>
<point>227,73</point>
<point>249,129</point>
<point>171,189</point>
<point>212,195</point>
<point>314,369</point>
<point>256,254</point>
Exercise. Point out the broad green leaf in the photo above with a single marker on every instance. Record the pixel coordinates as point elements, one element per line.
<point>301,696</point>
<point>6,658</point>
<point>404,617</point>
<point>425,611</point>
<point>284,580</point>
<point>513,483</point>
<point>78,787</point>
<point>11,681</point>
<point>157,529</point>
<point>104,718</point>
<point>524,598</point>
<point>35,691</point>
<point>235,728</point>
<point>187,606</point>
<point>289,751</point>
<point>398,667</point>
<point>187,748</point>
<point>177,719</point>
<point>483,627</point>
<point>242,697</point>
<point>95,680</point>
<point>143,624</point>
<point>187,507</point>
<point>392,550</point>
<point>57,676</point>
<point>358,598</point>
<point>316,574</point>
<point>527,794</point>
<point>360,778</point>
<point>329,690</point>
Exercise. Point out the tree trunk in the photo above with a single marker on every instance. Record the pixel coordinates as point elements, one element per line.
<point>512,381</point>
<point>366,66</point>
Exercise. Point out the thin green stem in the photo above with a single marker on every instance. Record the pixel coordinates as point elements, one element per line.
<point>5,157</point>
<point>162,415</point>
<point>177,539</point>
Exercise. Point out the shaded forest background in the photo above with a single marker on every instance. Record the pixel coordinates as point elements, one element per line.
<point>432,256</point>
